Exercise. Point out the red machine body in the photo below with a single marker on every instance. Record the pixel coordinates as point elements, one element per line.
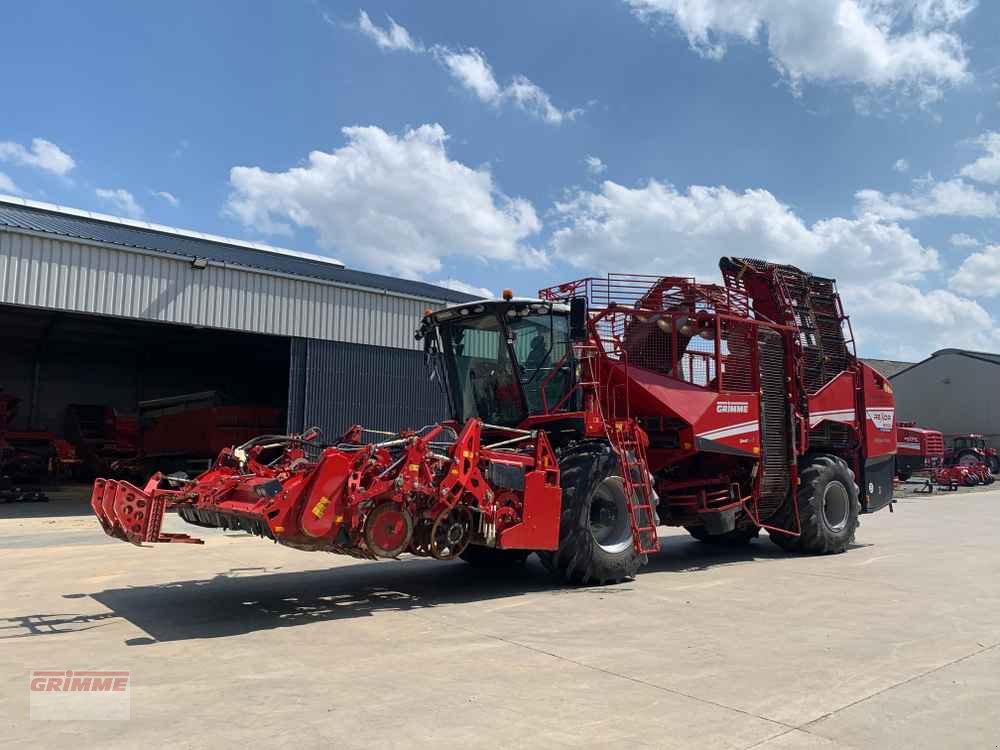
<point>101,436</point>
<point>965,475</point>
<point>31,455</point>
<point>204,431</point>
<point>581,420</point>
<point>918,450</point>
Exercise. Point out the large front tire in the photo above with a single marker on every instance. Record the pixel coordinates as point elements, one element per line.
<point>828,506</point>
<point>595,534</point>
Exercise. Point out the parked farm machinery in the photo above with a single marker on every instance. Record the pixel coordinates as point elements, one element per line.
<point>580,421</point>
<point>971,449</point>
<point>919,451</point>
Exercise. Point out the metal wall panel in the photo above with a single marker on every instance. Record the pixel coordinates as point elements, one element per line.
<point>70,275</point>
<point>32,217</point>
<point>946,393</point>
<point>297,359</point>
<point>345,384</point>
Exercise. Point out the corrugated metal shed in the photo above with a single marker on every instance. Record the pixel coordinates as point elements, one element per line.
<point>16,213</point>
<point>951,391</point>
<point>334,385</point>
<point>57,263</point>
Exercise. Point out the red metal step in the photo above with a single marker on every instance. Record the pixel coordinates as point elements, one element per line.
<point>638,490</point>
<point>131,514</point>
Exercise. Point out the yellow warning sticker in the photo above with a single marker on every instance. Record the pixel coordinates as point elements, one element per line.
<point>320,508</point>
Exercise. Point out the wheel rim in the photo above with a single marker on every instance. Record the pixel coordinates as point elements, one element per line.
<point>609,522</point>
<point>836,505</point>
<point>968,460</point>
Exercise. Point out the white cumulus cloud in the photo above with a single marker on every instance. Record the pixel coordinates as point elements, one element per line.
<point>901,166</point>
<point>43,155</point>
<point>122,200</point>
<point>656,228</point>
<point>930,197</point>
<point>979,274</point>
<point>393,37</point>
<point>881,268</point>
<point>391,202</point>
<point>470,68</point>
<point>900,321</point>
<point>987,167</point>
<point>875,43</point>
<point>458,285</point>
<point>594,165</point>
<point>963,240</point>
<point>473,72</point>
<point>168,197</point>
<point>7,185</point>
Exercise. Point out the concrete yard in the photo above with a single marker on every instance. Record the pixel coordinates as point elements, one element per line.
<point>242,642</point>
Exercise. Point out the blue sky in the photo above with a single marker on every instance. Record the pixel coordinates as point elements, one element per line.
<point>519,144</point>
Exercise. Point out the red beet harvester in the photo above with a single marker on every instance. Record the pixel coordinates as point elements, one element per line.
<point>579,422</point>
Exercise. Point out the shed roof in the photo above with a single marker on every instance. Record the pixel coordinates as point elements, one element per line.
<point>888,367</point>
<point>35,216</point>
<point>988,357</point>
<point>985,356</point>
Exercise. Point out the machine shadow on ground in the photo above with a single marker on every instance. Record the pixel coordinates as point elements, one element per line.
<point>241,601</point>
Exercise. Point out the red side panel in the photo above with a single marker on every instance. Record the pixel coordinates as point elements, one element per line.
<point>539,528</point>
<point>909,441</point>
<point>650,393</point>
<point>324,507</point>
<point>732,422</point>
<point>880,414</point>
<point>835,402</point>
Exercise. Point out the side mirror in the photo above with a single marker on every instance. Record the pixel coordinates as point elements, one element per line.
<point>578,319</point>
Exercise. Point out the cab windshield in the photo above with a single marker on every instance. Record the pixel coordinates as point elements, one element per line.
<point>497,371</point>
<point>977,443</point>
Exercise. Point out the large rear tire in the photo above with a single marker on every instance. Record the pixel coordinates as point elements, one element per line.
<point>595,534</point>
<point>828,504</point>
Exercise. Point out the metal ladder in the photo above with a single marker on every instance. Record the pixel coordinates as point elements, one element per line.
<point>624,438</point>
<point>638,489</point>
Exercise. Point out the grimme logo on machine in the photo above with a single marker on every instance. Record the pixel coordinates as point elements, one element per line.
<point>882,418</point>
<point>731,407</point>
<point>80,695</point>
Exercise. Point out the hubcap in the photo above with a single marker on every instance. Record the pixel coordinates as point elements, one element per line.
<point>836,505</point>
<point>609,524</point>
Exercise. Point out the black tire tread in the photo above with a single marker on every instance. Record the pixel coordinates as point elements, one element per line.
<point>579,560</point>
<point>815,538</point>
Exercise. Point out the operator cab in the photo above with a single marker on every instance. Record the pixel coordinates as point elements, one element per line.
<point>974,442</point>
<point>502,361</point>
